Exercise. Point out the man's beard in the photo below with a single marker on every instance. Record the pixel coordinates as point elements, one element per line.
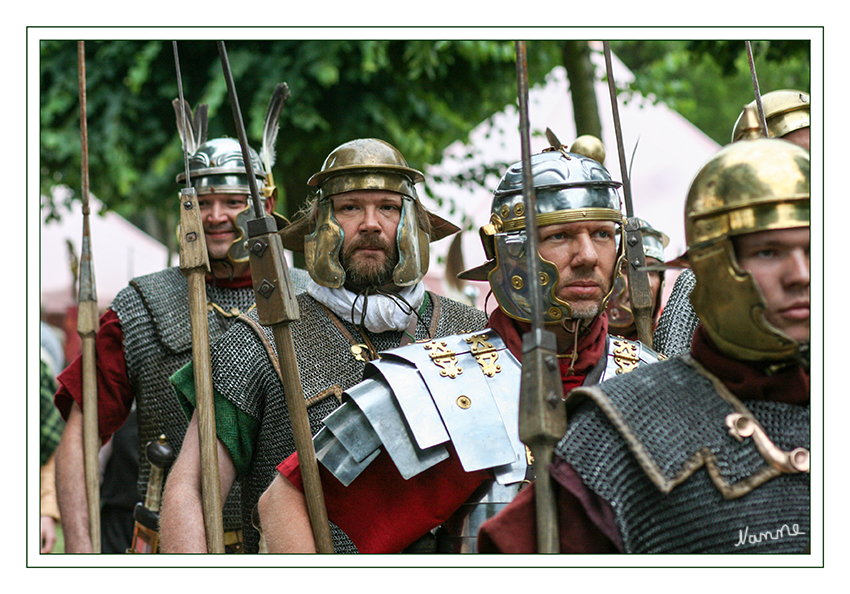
<point>587,311</point>
<point>363,273</point>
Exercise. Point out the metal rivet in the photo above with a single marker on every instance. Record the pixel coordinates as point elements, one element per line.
<point>516,282</point>
<point>266,289</point>
<point>464,402</point>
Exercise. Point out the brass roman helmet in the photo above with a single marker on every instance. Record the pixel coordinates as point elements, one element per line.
<point>755,184</point>
<point>365,164</point>
<point>569,187</point>
<point>785,110</point>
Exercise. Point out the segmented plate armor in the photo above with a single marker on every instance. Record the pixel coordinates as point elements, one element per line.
<point>244,374</point>
<point>645,443</point>
<point>678,321</point>
<point>460,533</point>
<point>155,323</point>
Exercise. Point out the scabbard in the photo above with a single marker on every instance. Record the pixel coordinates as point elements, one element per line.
<point>146,533</point>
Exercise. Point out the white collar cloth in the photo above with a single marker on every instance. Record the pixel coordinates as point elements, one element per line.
<point>382,313</point>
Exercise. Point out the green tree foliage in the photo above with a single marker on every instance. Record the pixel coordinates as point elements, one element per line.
<point>419,95</point>
<point>709,82</point>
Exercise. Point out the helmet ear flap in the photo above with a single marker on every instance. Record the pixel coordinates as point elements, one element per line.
<point>322,248</point>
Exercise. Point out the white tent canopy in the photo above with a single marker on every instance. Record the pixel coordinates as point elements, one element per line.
<point>670,151</point>
<point>120,252</point>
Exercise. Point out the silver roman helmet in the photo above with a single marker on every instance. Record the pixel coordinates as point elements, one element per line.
<point>365,164</point>
<point>569,187</point>
<point>217,167</point>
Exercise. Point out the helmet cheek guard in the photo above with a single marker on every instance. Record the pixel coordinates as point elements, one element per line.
<point>620,316</point>
<point>511,283</point>
<point>570,188</point>
<point>366,164</point>
<point>218,167</point>
<point>322,248</point>
<point>731,307</point>
<point>413,247</point>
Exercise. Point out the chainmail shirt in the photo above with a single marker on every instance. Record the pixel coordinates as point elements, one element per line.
<point>244,373</point>
<point>678,320</point>
<point>155,324</point>
<point>655,445</point>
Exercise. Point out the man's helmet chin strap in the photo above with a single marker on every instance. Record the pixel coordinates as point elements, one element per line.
<point>376,309</point>
<point>403,304</point>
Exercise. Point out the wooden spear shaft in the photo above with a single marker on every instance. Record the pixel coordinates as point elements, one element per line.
<point>87,326</point>
<point>542,414</point>
<point>195,264</point>
<point>640,295</point>
<point>277,308</point>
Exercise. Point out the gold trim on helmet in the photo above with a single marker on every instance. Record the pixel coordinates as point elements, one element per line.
<point>566,216</point>
<point>366,164</point>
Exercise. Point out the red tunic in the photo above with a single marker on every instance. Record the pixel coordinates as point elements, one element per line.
<point>114,396</point>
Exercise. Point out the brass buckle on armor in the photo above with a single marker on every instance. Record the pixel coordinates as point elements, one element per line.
<point>625,356</point>
<point>741,426</point>
<point>485,353</point>
<point>233,541</point>
<point>444,357</point>
<point>361,353</point>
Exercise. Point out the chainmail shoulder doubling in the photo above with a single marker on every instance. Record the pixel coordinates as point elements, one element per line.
<point>243,372</point>
<point>678,320</point>
<point>655,445</point>
<point>155,323</point>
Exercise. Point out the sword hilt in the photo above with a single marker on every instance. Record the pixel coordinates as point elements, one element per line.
<point>159,453</point>
<point>161,456</point>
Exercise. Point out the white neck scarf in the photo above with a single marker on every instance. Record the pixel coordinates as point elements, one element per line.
<point>382,313</point>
